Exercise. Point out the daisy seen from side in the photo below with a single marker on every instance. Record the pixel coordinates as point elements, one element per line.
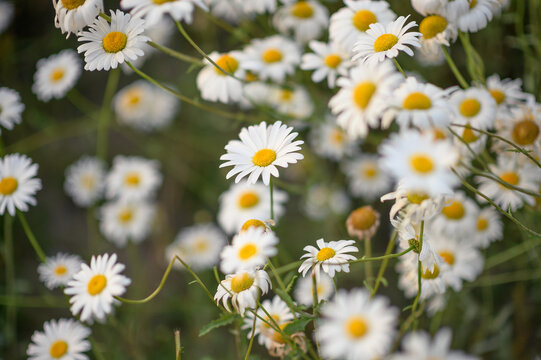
<point>71,16</point>
<point>242,289</point>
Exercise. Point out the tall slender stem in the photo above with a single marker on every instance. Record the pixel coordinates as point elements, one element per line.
<point>30,235</point>
<point>251,338</point>
<point>368,265</point>
<point>11,310</point>
<point>383,266</point>
<point>454,68</point>
<point>271,187</point>
<point>105,114</point>
<point>419,272</point>
<point>399,67</point>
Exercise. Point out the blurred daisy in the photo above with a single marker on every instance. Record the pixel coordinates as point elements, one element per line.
<point>363,97</point>
<point>366,177</point>
<point>122,220</point>
<point>425,7</point>
<point>437,29</point>
<point>64,339</point>
<point>254,93</point>
<point>245,201</point>
<point>85,181</point>
<point>363,222</point>
<point>215,85</point>
<point>250,249</point>
<point>488,227</point>
<point>231,11</point>
<point>330,141</point>
<point>409,234</point>
<point>327,61</point>
<point>198,245</point>
<point>523,127</point>
<point>108,45</point>
<point>304,291</point>
<point>506,92</point>
<point>356,326</point>
<point>56,75</point>
<point>385,41</point>
<point>155,10</point>
<point>323,201</point>
<point>330,257</point>
<point>474,106</point>
<point>59,269</point>
<point>6,15</point>
<point>11,106</point>
<point>261,148</point>
<point>477,16</point>
<point>293,102</point>
<point>272,58</point>
<point>18,184</point>
<point>413,206</point>
<point>258,6</point>
<point>457,217</point>
<point>306,19</point>
<point>73,15</point>
<point>133,178</point>
<point>94,287</point>
<point>241,290</point>
<point>355,18</point>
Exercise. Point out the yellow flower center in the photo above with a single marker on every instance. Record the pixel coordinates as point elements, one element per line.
<point>125,216</point>
<point>498,95</point>
<point>427,274</point>
<point>302,10</point>
<point>277,337</point>
<point>416,197</point>
<point>241,282</point>
<point>482,224</point>
<point>275,317</point>
<point>356,327</point>
<point>247,251</point>
<point>525,132</point>
<point>470,107</point>
<point>370,171</point>
<point>332,61</point>
<point>60,270</point>
<point>57,75</point>
<point>363,218</point>
<point>248,199</point>
<point>264,157</point>
<point>132,179</point>
<point>201,245</point>
<point>272,55</point>
<point>421,163</point>
<point>473,3</point>
<point>59,348</point>
<point>286,94</point>
<point>417,101</point>
<point>96,284</point>
<point>439,134</point>
<point>159,2</point>
<point>228,63</point>
<point>385,42</point>
<point>510,178</point>
<point>363,93</point>
<point>469,135</point>
<point>251,77</point>
<point>337,137</point>
<point>88,181</point>
<point>447,256</point>
<point>432,25</point>
<point>454,211</point>
<point>363,18</point>
<point>325,254</point>
<point>72,4</point>
<point>8,185</point>
<point>114,42</point>
<point>252,223</point>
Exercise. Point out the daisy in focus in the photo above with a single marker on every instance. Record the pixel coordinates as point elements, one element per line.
<point>260,150</point>
<point>56,75</point>
<point>93,288</point>
<point>108,45</point>
<point>215,85</point>
<point>85,181</point>
<point>59,269</point>
<point>327,61</point>
<point>366,177</point>
<point>306,19</point>
<point>73,15</point>
<point>153,11</point>
<point>12,108</point>
<point>242,289</point>
<point>64,339</point>
<point>331,257</point>
<point>133,178</point>
<point>18,184</point>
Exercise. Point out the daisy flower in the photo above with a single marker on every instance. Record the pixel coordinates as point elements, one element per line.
<point>366,177</point>
<point>477,16</point>
<point>250,249</point>
<point>331,257</point>
<point>348,23</point>
<point>363,97</point>
<point>73,15</point>
<point>272,58</point>
<point>254,93</point>
<point>418,346</point>
<point>108,45</point>
<point>257,6</point>
<point>245,201</point>
<point>56,75</point>
<point>475,107</point>
<point>133,178</point>
<point>231,11</point>
<point>123,220</point>
<point>261,148</point>
<point>306,19</point>
<point>323,201</point>
<point>18,184</point>
<point>241,290</point>
<point>294,102</point>
<point>522,126</point>
<point>488,227</point>
<point>413,206</point>
<point>64,339</point>
<point>356,326</point>
<point>385,41</point>
<point>59,269</point>
<point>420,163</point>
<point>363,222</point>
<point>331,141</point>
<point>198,245</point>
<point>304,290</point>
<point>6,15</point>
<point>507,92</point>
<point>215,85</point>
<point>327,61</point>
<point>409,234</point>
<point>457,217</point>
<point>154,10</point>
<point>425,7</point>
<point>11,106</point>
<point>437,29</point>
<point>85,181</point>
<point>94,287</point>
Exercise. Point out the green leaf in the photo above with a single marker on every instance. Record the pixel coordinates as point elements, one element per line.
<point>297,325</point>
<point>223,320</point>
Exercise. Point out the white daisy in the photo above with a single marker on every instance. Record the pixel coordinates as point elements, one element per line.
<point>306,19</point>
<point>64,339</point>
<point>123,220</point>
<point>241,290</point>
<point>215,85</point>
<point>437,29</point>
<point>522,126</point>
<point>18,184</point>
<point>330,141</point>
<point>155,10</point>
<point>108,45</point>
<point>363,97</point>
<point>507,92</point>
<point>6,15</point>
<point>133,178</point>
<point>409,234</point>
<point>385,41</point>
<point>231,11</point>
<point>355,326</point>
<point>475,107</point>
<point>477,16</point>
<point>261,148</point>
<point>250,249</point>
<point>73,15</point>
<point>366,177</point>
<point>488,227</point>
<point>254,93</point>
<point>327,61</point>
<point>425,7</point>
<point>11,108</point>
<point>93,289</point>
<point>353,20</point>
<point>294,103</point>
<point>56,75</point>
<point>430,55</point>
<point>413,206</point>
<point>257,6</point>
<point>304,290</point>
<point>85,181</point>
<point>59,269</point>
<point>323,201</point>
<point>457,217</point>
<point>331,257</point>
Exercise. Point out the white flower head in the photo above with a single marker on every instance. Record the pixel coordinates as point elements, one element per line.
<point>366,177</point>
<point>488,227</point>
<point>18,184</point>
<point>56,75</point>
<point>475,107</point>
<point>331,141</point>
<point>59,269</point>
<point>331,257</point>
<point>73,15</point>
<point>242,289</point>
<point>85,180</point>
<point>11,108</point>
<point>215,85</point>
<point>133,178</point>
<point>457,217</point>
<point>477,15</point>
<point>327,61</point>
<point>305,18</point>
<point>64,339</point>
<point>323,201</point>
<point>153,11</point>
<point>294,103</point>
<point>304,290</point>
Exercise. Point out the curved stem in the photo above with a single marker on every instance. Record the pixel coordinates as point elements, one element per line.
<point>390,247</point>
<point>175,54</point>
<point>399,67</point>
<point>105,114</point>
<point>454,68</point>
<point>419,274</point>
<point>251,338</point>
<point>384,257</point>
<point>32,238</point>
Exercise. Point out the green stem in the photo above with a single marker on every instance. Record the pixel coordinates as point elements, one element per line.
<point>390,247</point>
<point>82,104</point>
<point>175,54</point>
<point>178,346</point>
<point>271,187</point>
<point>105,114</point>
<point>510,253</point>
<point>419,272</point>
<point>501,182</point>
<point>98,354</point>
<point>32,238</point>
<point>11,310</point>
<point>368,265</point>
<point>479,159</point>
<point>392,256</point>
<point>314,294</point>
<point>277,277</point>
<point>399,67</point>
<point>251,338</point>
<point>454,68</point>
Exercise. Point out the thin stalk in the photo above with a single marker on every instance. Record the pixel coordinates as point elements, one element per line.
<point>277,277</point>
<point>392,256</point>
<point>251,338</point>
<point>419,272</point>
<point>175,54</point>
<point>390,247</point>
<point>368,265</point>
<point>11,311</point>
<point>105,114</point>
<point>82,104</point>
<point>399,67</point>
<point>510,253</point>
<point>502,182</point>
<point>271,187</point>
<point>37,248</point>
<point>454,68</point>
<point>315,304</point>
<point>178,346</point>
<point>481,161</point>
